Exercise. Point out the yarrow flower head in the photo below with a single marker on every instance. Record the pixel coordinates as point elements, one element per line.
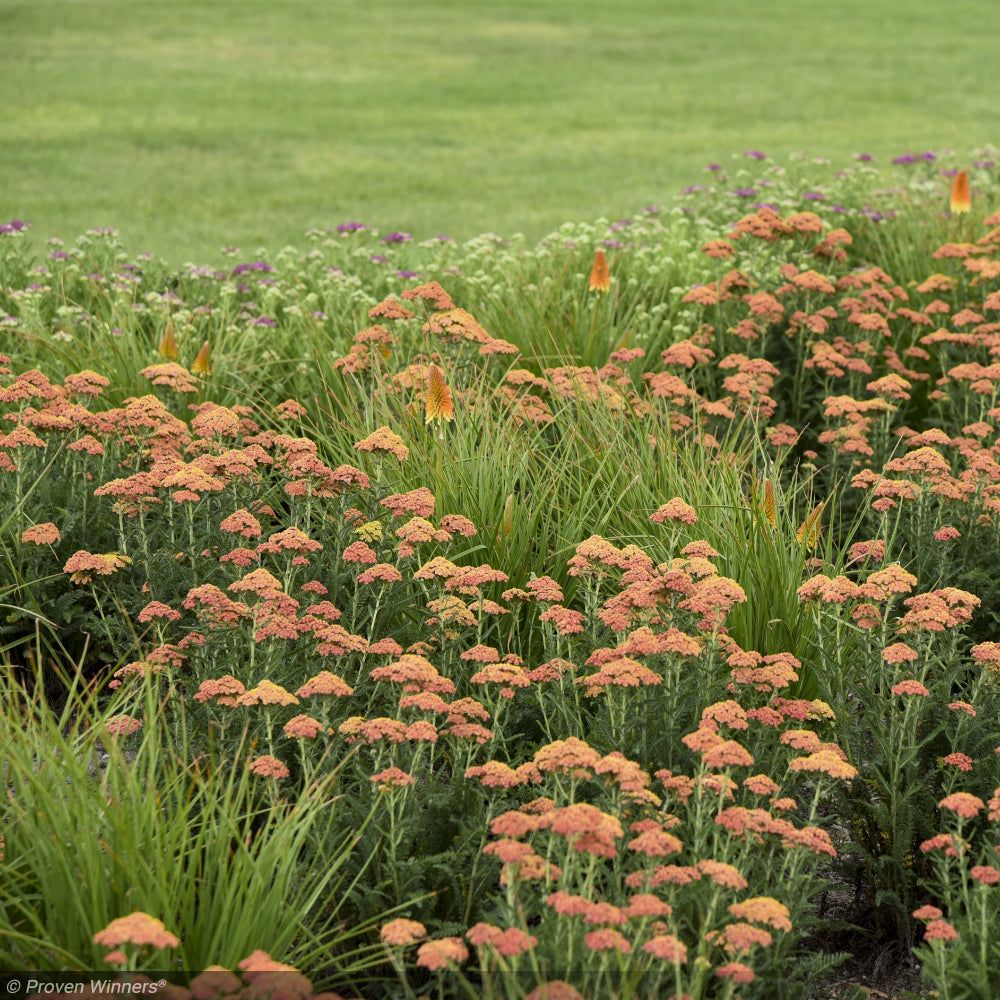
<point>963,804</point>
<point>675,510</point>
<point>137,928</point>
<point>401,932</point>
<point>269,767</point>
<point>439,954</point>
<point>384,440</point>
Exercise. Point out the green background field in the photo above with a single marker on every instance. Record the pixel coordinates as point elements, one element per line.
<point>190,125</point>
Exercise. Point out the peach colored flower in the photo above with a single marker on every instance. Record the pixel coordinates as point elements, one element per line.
<point>607,939</point>
<point>384,440</point>
<point>227,688</point>
<point>389,308</point>
<point>763,910</point>
<point>393,777</point>
<point>260,961</point>
<point>509,942</point>
<point>567,622</point>
<point>401,932</point>
<point>667,948</point>
<point>802,740</point>
<point>824,762</point>
<point>122,725</point>
<point>961,761</point>
<point>675,510</point>
<point>963,804</point>
<point>571,756</point>
<point>898,652</point>
<point>729,713</point>
<point>420,502</point>
<point>82,565</point>
<point>736,971</point>
<point>452,610</point>
<point>910,687</point>
<point>325,683</point>
<point>359,552</point>
<point>385,572</point>
<point>985,874</point>
<point>267,693</point>
<point>642,905</point>
<point>962,706</point>
<point>987,653</point>
<point>303,726</point>
<point>42,534</point>
<point>557,989</point>
<point>422,730</point>
<point>440,953</point>
<point>156,609</point>
<point>425,701</point>
<point>137,928</point>
<point>728,753</point>
<point>893,579</point>
<point>269,767</point>
<point>741,938</point>
<point>940,930</point>
<point>761,784</point>
<point>544,588</point>
<point>722,873</point>
<point>586,828</point>
<point>703,739</point>
<point>950,843</point>
<point>655,843</point>
<point>415,673</point>
<point>623,671</point>
<point>603,913</point>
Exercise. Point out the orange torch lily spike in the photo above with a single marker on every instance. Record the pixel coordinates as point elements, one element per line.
<point>202,364</point>
<point>439,404</point>
<point>168,344</point>
<point>961,199</point>
<point>600,275</point>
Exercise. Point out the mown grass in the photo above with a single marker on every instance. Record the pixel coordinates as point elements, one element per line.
<point>192,125</point>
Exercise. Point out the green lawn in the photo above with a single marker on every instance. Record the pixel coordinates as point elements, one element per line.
<point>189,125</point>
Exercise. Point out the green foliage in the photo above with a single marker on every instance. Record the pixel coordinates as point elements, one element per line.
<point>98,826</point>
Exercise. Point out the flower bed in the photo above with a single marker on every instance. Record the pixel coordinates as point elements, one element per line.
<point>571,613</point>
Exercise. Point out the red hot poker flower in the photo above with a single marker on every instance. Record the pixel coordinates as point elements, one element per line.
<point>600,274</point>
<point>961,199</point>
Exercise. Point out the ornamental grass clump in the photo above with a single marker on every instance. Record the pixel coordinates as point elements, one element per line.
<point>122,848</point>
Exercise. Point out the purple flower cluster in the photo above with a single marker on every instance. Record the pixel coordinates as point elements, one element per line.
<point>14,226</point>
<point>927,156</point>
<point>257,265</point>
